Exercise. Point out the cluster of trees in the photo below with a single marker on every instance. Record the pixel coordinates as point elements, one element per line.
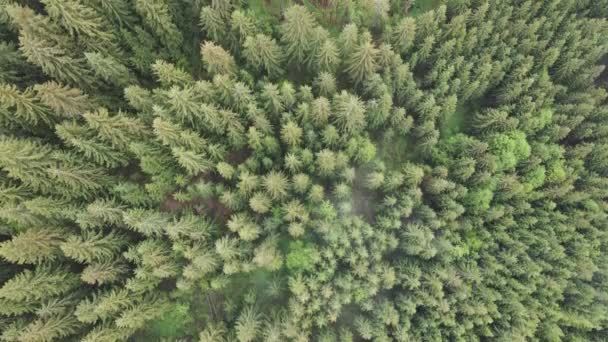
<point>163,159</point>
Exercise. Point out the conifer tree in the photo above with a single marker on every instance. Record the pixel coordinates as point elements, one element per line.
<point>119,130</point>
<point>361,62</point>
<point>297,33</point>
<point>93,246</point>
<point>63,100</point>
<point>146,222</point>
<point>136,316</point>
<point>272,98</point>
<point>260,203</point>
<point>404,34</point>
<point>109,69</point>
<point>241,26</point>
<point>213,23</point>
<point>81,139</point>
<point>26,109</point>
<point>248,325</point>
<point>327,57</point>
<point>42,43</point>
<point>13,66</point>
<point>41,283</point>
<point>103,272</point>
<point>101,213</point>
<point>83,22</point>
<point>326,162</point>
<point>291,134</point>
<point>26,161</point>
<point>33,245</point>
<point>349,112</point>
<point>169,74</point>
<point>189,226</point>
<point>325,84</point>
<point>157,16</point>
<point>349,37</point>
<point>73,180</point>
<point>50,328</point>
<point>217,60</point>
<point>263,53</point>
<point>275,184</point>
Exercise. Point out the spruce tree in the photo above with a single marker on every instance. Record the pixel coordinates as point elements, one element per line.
<point>361,62</point>
<point>297,33</point>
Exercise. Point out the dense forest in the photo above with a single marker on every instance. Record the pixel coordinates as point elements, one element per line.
<point>318,170</point>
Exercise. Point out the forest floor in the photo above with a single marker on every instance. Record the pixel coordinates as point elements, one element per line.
<point>456,122</point>
<point>395,151</point>
<point>422,6</point>
<point>269,7</point>
<point>363,200</point>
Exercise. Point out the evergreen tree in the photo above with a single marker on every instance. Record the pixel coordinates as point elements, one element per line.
<point>50,328</point>
<point>263,53</point>
<point>349,112</point>
<point>32,246</point>
<point>26,161</point>
<point>136,316</point>
<point>63,100</point>
<point>297,33</point>
<point>156,15</point>
<point>103,272</point>
<point>109,69</point>
<point>212,22</point>
<point>248,325</point>
<point>93,246</point>
<point>404,35</point>
<point>291,134</point>
<point>217,60</point>
<point>119,130</point>
<point>325,84</point>
<point>26,109</point>
<point>275,184</point>
<point>147,222</point>
<point>242,26</point>
<point>361,62</point>
<point>327,57</point>
<point>90,147</point>
<point>42,43</point>
<point>83,22</point>
<point>42,283</point>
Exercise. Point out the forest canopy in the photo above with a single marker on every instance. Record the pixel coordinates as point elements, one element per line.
<point>344,170</point>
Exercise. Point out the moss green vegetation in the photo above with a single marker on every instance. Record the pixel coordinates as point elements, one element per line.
<point>421,6</point>
<point>456,122</point>
<point>300,256</point>
<point>274,170</point>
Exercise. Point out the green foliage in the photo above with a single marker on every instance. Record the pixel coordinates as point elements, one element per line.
<point>156,15</point>
<point>217,60</point>
<point>510,148</point>
<point>174,322</point>
<point>109,69</point>
<point>300,256</point>
<point>263,53</point>
<point>32,246</point>
<point>42,283</point>
<point>297,33</point>
<point>479,200</point>
<point>247,325</point>
<point>361,63</point>
<point>93,246</point>
<point>314,171</point>
<point>349,113</point>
